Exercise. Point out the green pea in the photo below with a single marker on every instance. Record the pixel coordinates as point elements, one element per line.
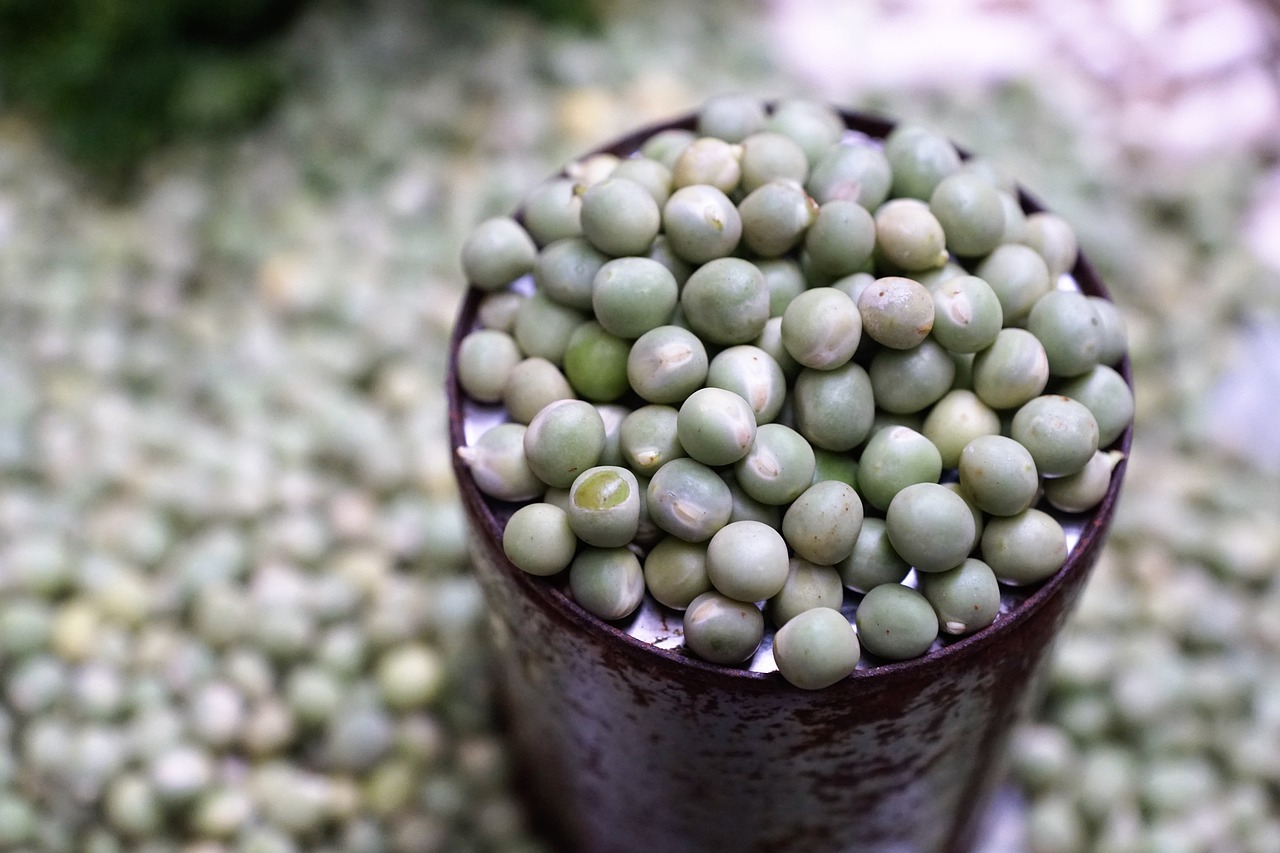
<point>539,540</point>
<point>812,125</point>
<point>604,506</point>
<point>532,385</point>
<point>747,561</point>
<point>543,327</point>
<point>595,363</point>
<point>807,586</point>
<point>1115,337</point>
<point>908,236</point>
<point>1019,277</point>
<point>1013,370</point>
<point>731,117</point>
<point>689,500</point>
<point>721,630</point>
<point>607,582</point>
<point>497,464</point>
<point>1108,398</point>
<point>552,211</point>
<point>620,217</point>
<point>784,279</point>
<point>965,598</point>
<point>966,314</point>
<point>630,296</point>
<point>907,381</point>
<point>770,340</point>
<point>851,171</point>
<point>650,174</point>
<point>930,526</point>
<point>563,440</point>
<point>775,217</point>
<point>566,269</point>
<point>919,159</point>
<point>1068,326</point>
<point>753,375</point>
<point>821,328</point>
<point>1055,240</point>
<point>999,475</point>
<point>701,223</point>
<point>496,253</point>
<point>894,458</point>
<point>816,649</point>
<point>662,252</point>
<point>498,311</point>
<point>725,301</point>
<point>896,312</point>
<point>665,146</point>
<point>1060,433</point>
<point>667,364</point>
<point>484,361</point>
<point>833,465</point>
<point>1085,489</point>
<point>715,426</point>
<point>708,161</point>
<point>955,420</point>
<point>841,239</point>
<point>834,408</point>
<point>1025,548</point>
<point>769,156</point>
<point>648,438</point>
<point>778,466</point>
<point>823,523</point>
<point>675,571</point>
<point>971,214</point>
<point>895,622</point>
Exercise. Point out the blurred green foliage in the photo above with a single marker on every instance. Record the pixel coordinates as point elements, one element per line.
<point>113,79</point>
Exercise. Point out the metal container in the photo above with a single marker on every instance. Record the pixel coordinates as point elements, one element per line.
<point>625,746</point>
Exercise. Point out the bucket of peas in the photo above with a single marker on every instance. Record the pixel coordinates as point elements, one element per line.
<point>788,436</point>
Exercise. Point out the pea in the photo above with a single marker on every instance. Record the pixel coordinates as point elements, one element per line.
<point>970,212</point>
<point>998,474</point>
<point>595,363</point>
<point>873,560</point>
<point>630,296</point>
<point>667,364</point>
<point>966,314</point>
<point>648,438</point>
<point>823,523</point>
<point>894,458</point>
<point>498,465</point>
<point>777,467</point>
<point>532,385</point>
<point>908,236</point>
<point>1068,326</point>
<point>1054,239</point>
<point>784,279</point>
<point>725,301</point>
<point>834,408</point>
<point>955,420</point>
<point>689,500</point>
<point>721,630</point>
<point>563,440</point>
<point>620,217</point>
<point>543,327</point>
<point>715,426</point>
<point>841,239</point>
<point>604,506</point>
<point>708,161</point>
<point>965,598</point>
<point>1025,548</point>
<point>753,375</point>
<point>675,571</point>
<point>821,328</point>
<point>908,381</point>
<point>1108,398</point>
<point>565,270</point>
<point>895,622</point>
<point>919,159</point>
<point>813,126</point>
<point>807,586</point>
<point>701,223</point>
<point>1060,433</point>
<point>816,649</point>
<point>607,582</point>
<point>1012,371</point>
<point>747,561</point>
<point>896,312</point>
<point>731,117</point>
<point>497,252</point>
<point>770,156</point>
<point>851,171</point>
<point>1019,277</point>
<point>650,174</point>
<point>552,211</point>
<point>775,217</point>
<point>485,359</point>
<point>930,526</point>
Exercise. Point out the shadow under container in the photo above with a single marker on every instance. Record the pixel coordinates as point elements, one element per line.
<point>623,746</point>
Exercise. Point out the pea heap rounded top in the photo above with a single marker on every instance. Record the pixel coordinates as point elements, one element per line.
<point>786,388</point>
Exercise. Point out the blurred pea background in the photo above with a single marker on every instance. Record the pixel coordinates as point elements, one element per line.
<point>235,611</point>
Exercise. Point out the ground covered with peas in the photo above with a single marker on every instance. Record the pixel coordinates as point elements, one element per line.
<point>235,611</point>
<point>720,347</point>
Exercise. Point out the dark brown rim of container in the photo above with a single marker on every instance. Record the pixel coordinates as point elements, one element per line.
<point>574,618</point>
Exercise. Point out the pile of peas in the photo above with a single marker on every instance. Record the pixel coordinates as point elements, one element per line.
<point>767,365</point>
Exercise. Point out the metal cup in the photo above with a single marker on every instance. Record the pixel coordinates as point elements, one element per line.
<point>628,747</point>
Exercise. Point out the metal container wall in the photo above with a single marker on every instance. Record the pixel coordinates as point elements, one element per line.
<point>625,747</point>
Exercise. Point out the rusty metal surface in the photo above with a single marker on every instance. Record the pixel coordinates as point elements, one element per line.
<point>628,747</point>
